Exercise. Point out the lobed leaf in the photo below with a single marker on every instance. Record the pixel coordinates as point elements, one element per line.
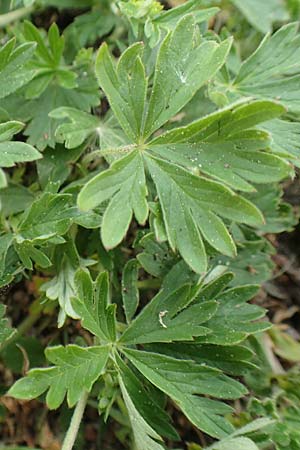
<point>76,369</point>
<point>184,381</point>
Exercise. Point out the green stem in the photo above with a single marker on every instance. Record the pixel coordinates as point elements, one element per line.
<point>72,432</point>
<point>6,19</point>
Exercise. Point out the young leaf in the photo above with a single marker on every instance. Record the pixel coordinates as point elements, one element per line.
<point>170,317</point>
<point>91,304</point>
<point>184,381</point>
<point>75,369</point>
<point>124,181</point>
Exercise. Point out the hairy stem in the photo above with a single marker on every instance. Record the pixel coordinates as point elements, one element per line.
<point>72,432</point>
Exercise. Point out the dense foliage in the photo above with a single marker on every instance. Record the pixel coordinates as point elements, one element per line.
<point>142,146</point>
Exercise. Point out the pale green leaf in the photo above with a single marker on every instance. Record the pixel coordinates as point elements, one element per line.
<point>75,370</point>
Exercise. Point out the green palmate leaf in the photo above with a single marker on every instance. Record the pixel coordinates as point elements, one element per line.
<point>224,145</point>
<point>75,370</point>
<point>124,181</point>
<point>152,420</point>
<point>262,15</point>
<point>48,216</point>
<point>170,317</point>
<point>235,319</point>
<point>184,381</point>
<point>91,304</point>
<point>5,330</point>
<point>86,127</point>
<point>14,68</point>
<point>130,292</point>
<point>181,69</point>
<point>269,71</point>
<point>190,204</point>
